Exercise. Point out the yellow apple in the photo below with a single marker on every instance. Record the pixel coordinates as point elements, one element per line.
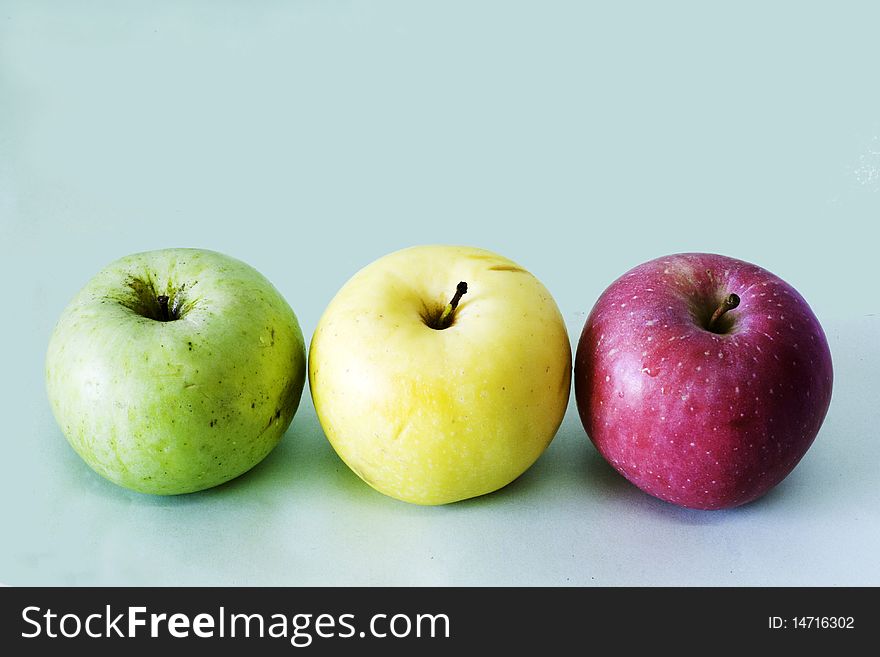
<point>433,396</point>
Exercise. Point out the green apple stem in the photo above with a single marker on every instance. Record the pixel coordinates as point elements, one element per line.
<point>730,302</point>
<point>446,316</point>
<point>164,316</point>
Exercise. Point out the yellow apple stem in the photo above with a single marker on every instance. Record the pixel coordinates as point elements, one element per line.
<point>730,302</point>
<point>163,308</point>
<point>446,316</point>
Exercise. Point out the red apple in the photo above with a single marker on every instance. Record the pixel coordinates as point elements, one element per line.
<point>702,379</point>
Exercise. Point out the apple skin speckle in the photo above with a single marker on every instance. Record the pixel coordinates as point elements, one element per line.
<point>741,407</point>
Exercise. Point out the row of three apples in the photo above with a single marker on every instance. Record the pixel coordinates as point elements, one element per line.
<point>441,373</point>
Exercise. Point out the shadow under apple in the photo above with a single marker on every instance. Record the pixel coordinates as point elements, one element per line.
<point>302,460</point>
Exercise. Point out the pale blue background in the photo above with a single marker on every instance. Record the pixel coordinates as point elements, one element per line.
<point>309,138</point>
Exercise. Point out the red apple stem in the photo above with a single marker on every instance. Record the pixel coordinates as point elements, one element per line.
<point>163,308</point>
<point>730,302</point>
<point>446,316</point>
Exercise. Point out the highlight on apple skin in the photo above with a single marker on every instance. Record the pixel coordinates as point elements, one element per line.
<point>702,379</point>
<point>440,373</point>
<point>175,370</point>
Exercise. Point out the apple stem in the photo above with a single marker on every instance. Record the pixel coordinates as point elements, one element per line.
<point>446,316</point>
<point>163,308</point>
<point>730,302</point>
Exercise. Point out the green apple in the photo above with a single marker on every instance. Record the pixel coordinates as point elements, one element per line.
<point>173,371</point>
<point>440,373</point>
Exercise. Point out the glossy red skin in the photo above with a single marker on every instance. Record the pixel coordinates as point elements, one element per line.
<point>698,419</point>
